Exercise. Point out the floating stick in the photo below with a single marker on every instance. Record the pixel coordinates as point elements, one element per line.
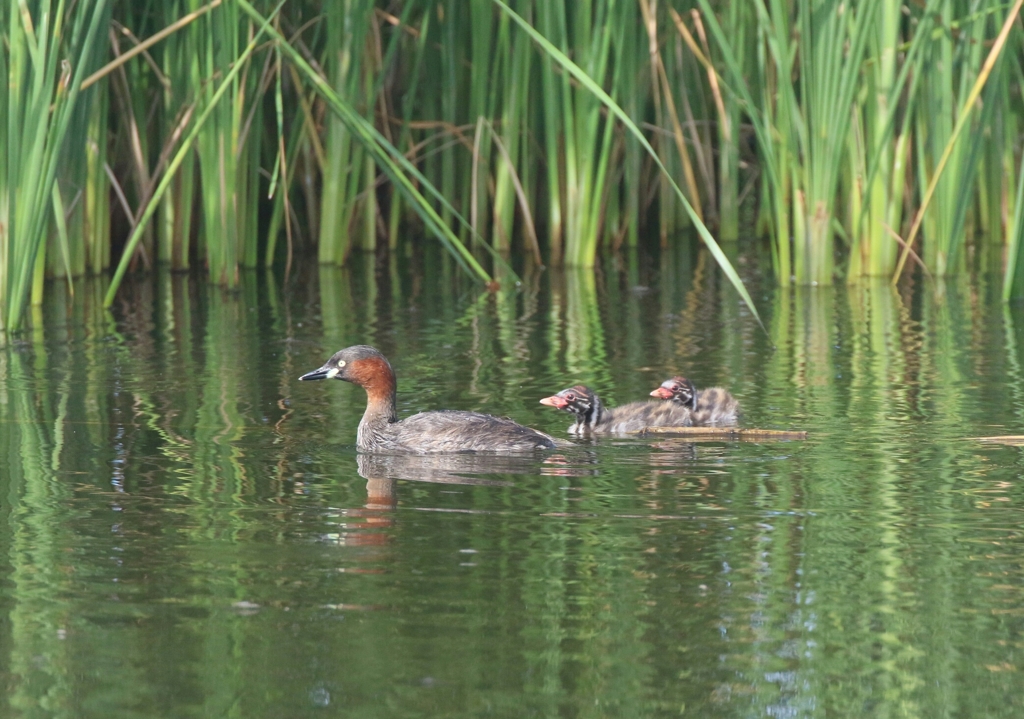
<point>729,433</point>
<point>1013,440</point>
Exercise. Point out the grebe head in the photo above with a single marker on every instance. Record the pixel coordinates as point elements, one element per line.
<point>679,389</point>
<point>579,400</point>
<point>360,364</point>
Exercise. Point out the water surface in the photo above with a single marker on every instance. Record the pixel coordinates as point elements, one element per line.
<point>187,531</point>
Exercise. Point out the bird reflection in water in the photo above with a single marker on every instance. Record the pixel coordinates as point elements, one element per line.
<point>382,471</point>
<point>368,525</point>
<point>673,452</point>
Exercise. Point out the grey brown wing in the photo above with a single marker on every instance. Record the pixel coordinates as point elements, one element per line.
<point>459,431</point>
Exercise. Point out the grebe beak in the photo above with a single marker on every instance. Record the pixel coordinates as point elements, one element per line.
<point>662,393</point>
<point>554,401</point>
<point>324,372</point>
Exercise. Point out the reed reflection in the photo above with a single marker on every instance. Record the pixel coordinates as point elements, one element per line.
<point>160,465</point>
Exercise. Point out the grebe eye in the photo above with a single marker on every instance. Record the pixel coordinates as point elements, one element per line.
<point>341,363</point>
<point>571,397</point>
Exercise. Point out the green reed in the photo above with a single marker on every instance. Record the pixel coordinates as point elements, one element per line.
<point>1013,276</point>
<point>367,120</point>
<point>349,59</point>
<point>878,203</point>
<point>955,62</point>
<point>512,123</point>
<point>830,55</point>
<point>594,38</point>
<point>405,177</point>
<point>95,227</point>
<point>39,99</point>
<point>228,156</point>
<point>230,267</point>
<point>587,82</point>
<point>181,68</point>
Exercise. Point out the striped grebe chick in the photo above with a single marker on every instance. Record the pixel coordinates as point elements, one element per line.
<point>592,417</point>
<point>711,407</point>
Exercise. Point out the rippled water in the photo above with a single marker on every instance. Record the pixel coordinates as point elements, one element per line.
<point>187,531</point>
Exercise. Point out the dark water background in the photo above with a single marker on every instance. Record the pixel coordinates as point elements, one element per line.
<point>187,531</point>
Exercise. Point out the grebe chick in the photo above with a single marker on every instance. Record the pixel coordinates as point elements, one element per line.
<point>593,417</point>
<point>712,407</point>
<point>380,430</point>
